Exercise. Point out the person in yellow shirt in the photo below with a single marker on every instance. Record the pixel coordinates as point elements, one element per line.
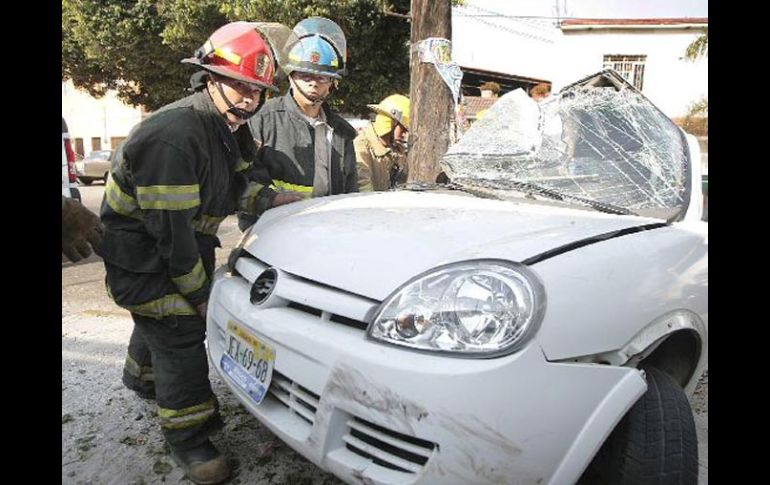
<point>382,145</point>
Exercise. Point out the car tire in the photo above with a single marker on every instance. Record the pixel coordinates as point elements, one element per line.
<point>75,194</point>
<point>85,180</point>
<point>106,176</point>
<point>655,442</point>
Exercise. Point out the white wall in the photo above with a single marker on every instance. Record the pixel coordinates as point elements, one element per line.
<point>89,117</point>
<point>670,82</point>
<point>536,48</point>
<point>514,46</point>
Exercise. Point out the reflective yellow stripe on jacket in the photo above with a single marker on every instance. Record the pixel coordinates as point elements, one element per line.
<point>119,201</point>
<point>248,200</point>
<point>208,224</point>
<point>168,197</point>
<point>192,281</point>
<point>242,165</point>
<point>303,189</point>
<point>184,418</point>
<point>166,306</point>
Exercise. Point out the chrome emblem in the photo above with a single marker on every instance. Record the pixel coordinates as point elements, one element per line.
<point>263,286</point>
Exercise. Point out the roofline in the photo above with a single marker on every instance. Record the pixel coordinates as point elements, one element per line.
<point>512,77</point>
<point>642,24</point>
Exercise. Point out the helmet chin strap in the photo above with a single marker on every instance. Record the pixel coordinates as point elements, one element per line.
<point>234,110</point>
<point>315,100</point>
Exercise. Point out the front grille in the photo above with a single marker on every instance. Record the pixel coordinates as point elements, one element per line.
<point>317,299</point>
<point>305,308</point>
<point>350,322</point>
<point>387,448</point>
<point>300,400</point>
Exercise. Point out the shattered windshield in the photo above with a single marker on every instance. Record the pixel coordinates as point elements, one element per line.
<point>595,146</point>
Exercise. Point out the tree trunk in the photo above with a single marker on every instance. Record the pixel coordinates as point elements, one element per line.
<point>431,100</point>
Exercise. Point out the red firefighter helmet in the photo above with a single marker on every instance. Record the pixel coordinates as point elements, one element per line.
<point>238,50</point>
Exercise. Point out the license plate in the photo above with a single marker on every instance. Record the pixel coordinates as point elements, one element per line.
<point>247,361</point>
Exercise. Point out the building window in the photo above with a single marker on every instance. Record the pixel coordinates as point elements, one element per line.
<point>96,143</point>
<point>79,147</point>
<point>115,141</point>
<point>630,67</point>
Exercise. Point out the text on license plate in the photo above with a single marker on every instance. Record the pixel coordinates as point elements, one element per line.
<point>247,361</point>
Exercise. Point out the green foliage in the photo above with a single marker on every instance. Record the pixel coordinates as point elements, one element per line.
<point>119,44</point>
<point>699,108</point>
<point>699,47</point>
<point>696,120</point>
<point>135,46</point>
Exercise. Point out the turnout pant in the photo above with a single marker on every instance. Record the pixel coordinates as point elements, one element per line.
<point>167,359</point>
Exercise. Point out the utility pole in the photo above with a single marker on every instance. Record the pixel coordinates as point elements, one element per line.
<point>432,106</point>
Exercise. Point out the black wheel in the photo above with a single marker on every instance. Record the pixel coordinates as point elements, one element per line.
<point>655,443</point>
<point>106,176</point>
<point>85,180</point>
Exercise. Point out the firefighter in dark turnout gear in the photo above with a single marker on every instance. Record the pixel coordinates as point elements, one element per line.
<point>179,173</point>
<point>305,146</point>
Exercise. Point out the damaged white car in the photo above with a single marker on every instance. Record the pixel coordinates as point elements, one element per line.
<point>540,319</point>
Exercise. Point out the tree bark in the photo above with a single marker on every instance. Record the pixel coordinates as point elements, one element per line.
<point>431,100</point>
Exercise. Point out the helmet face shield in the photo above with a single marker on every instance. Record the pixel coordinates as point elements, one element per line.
<point>327,30</point>
<point>244,51</point>
<point>281,40</point>
<point>313,55</point>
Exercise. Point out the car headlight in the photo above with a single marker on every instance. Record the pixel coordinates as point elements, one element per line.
<point>481,308</point>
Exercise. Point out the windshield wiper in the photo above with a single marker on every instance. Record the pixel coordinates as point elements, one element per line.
<point>423,186</point>
<point>530,188</point>
<point>525,187</point>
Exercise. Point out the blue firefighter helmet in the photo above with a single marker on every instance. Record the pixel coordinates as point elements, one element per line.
<point>328,30</point>
<point>315,55</point>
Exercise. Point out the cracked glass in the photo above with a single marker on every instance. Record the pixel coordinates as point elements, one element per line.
<point>604,147</point>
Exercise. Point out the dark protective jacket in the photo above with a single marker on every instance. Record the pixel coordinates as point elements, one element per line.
<point>179,173</point>
<point>286,149</point>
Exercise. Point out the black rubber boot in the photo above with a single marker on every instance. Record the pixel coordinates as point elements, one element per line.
<point>145,390</point>
<point>203,464</point>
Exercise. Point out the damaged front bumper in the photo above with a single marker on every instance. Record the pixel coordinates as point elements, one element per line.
<point>377,414</point>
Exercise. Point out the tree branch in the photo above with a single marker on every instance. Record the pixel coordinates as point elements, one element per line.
<point>387,9</point>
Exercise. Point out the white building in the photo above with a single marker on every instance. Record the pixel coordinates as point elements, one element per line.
<point>486,41</point>
<point>528,49</point>
<point>649,53</point>
<point>96,124</point>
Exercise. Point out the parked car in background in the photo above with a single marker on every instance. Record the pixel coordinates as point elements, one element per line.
<point>96,166</point>
<point>68,175</point>
<point>540,319</point>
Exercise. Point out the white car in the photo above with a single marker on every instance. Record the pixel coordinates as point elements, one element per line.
<point>541,319</point>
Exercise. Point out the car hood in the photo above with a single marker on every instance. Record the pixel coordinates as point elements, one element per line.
<point>370,244</point>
